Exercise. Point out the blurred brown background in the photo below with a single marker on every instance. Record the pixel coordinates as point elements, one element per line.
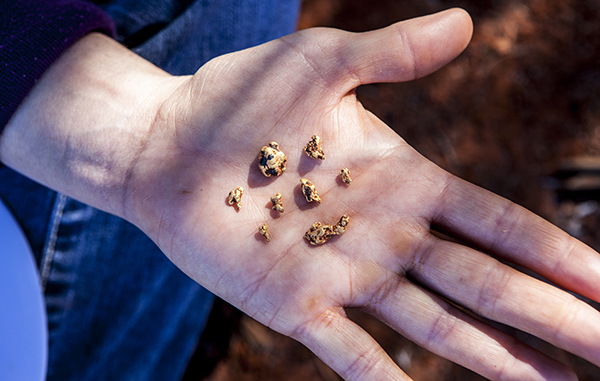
<point>517,113</point>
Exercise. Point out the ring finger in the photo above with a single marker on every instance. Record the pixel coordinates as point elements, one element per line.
<point>498,292</point>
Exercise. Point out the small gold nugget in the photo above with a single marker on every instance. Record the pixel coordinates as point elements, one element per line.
<point>309,191</point>
<point>235,198</point>
<point>320,233</point>
<point>345,175</point>
<point>277,203</point>
<point>340,228</point>
<point>271,160</point>
<point>264,230</point>
<point>313,148</point>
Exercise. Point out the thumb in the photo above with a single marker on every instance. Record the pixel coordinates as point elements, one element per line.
<point>405,50</point>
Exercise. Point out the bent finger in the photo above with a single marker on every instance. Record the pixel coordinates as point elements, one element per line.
<point>498,292</point>
<point>347,348</point>
<point>514,234</point>
<point>443,329</point>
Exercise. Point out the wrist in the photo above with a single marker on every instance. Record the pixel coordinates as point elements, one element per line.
<point>85,122</point>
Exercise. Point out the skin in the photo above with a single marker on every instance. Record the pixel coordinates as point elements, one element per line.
<point>163,152</point>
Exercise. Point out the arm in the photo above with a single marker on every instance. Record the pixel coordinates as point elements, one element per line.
<point>108,128</point>
<point>81,128</point>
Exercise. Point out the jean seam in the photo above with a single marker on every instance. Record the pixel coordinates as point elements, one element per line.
<point>50,244</point>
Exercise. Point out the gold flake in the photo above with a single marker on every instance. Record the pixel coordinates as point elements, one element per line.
<point>345,175</point>
<point>277,203</point>
<point>342,224</point>
<point>264,230</point>
<point>235,198</point>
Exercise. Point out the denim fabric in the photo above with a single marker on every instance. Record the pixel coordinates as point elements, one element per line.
<point>201,30</point>
<point>117,308</point>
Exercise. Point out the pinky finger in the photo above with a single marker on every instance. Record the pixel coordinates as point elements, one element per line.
<point>349,350</point>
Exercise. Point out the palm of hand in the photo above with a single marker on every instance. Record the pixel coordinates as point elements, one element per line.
<point>388,262</point>
<point>389,178</point>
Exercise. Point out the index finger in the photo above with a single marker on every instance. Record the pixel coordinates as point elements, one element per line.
<point>514,234</point>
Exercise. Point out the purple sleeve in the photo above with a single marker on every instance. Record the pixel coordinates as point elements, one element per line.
<point>33,34</point>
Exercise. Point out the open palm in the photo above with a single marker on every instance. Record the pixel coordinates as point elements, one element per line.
<point>205,142</point>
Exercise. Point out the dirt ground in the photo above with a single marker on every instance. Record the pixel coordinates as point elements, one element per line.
<point>518,113</point>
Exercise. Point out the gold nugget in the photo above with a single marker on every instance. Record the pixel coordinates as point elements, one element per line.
<point>345,175</point>
<point>309,191</point>
<point>277,203</point>
<point>340,228</point>
<point>235,198</point>
<point>320,233</point>
<point>313,148</point>
<point>264,230</point>
<point>272,160</point>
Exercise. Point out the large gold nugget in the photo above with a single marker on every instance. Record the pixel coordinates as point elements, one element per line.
<point>271,160</point>
<point>235,198</point>
<point>320,233</point>
<point>313,148</point>
<point>309,191</point>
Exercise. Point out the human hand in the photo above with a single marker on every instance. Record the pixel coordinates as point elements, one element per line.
<point>204,140</point>
<point>388,263</point>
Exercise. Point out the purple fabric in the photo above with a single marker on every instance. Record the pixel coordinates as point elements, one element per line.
<point>33,34</point>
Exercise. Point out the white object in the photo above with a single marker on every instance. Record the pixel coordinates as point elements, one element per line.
<point>23,327</point>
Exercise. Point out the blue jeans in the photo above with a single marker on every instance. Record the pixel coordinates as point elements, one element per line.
<point>117,308</point>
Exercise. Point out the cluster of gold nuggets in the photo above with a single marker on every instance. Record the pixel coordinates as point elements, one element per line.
<point>272,162</point>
